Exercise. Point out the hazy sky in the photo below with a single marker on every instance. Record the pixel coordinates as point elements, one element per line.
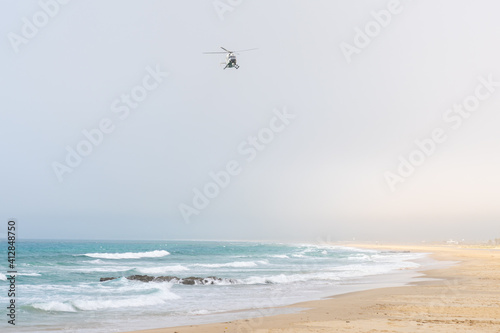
<point>318,127</point>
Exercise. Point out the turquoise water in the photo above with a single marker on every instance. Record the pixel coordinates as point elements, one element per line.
<point>59,286</point>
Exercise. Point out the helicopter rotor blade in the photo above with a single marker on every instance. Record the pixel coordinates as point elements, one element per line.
<point>227,51</point>
<point>246,50</point>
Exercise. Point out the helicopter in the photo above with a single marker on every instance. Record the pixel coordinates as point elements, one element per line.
<point>230,57</point>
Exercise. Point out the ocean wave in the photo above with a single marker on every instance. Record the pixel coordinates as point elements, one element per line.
<point>140,301</point>
<point>162,269</point>
<point>337,248</point>
<point>281,256</point>
<point>96,261</point>
<point>291,278</point>
<point>200,312</point>
<point>387,258</point>
<point>235,264</point>
<point>101,269</point>
<point>54,306</point>
<point>4,278</point>
<point>384,257</point>
<point>129,255</point>
<point>373,268</point>
<point>162,295</point>
<point>359,257</point>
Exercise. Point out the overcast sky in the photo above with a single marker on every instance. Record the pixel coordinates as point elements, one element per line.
<point>315,134</point>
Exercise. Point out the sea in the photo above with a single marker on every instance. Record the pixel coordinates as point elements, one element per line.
<point>58,283</point>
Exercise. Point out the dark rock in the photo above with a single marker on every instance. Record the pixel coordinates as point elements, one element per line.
<point>191,280</point>
<point>107,279</point>
<point>166,279</point>
<point>143,278</point>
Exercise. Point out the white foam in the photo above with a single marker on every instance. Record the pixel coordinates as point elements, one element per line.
<point>337,248</point>
<point>158,295</point>
<point>396,256</point>
<point>263,279</point>
<point>199,312</point>
<point>3,277</point>
<point>223,282</point>
<point>236,264</point>
<point>96,261</point>
<point>281,256</point>
<point>101,269</point>
<point>54,306</point>
<point>162,269</point>
<point>283,278</point>
<point>359,257</point>
<point>161,297</point>
<point>129,255</point>
<point>29,274</point>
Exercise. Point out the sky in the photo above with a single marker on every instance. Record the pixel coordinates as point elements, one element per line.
<point>366,120</point>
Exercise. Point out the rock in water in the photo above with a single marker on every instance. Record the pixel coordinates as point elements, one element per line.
<point>143,278</point>
<point>192,280</point>
<point>107,279</point>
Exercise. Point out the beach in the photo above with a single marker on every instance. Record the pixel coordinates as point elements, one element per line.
<point>89,287</point>
<point>464,297</point>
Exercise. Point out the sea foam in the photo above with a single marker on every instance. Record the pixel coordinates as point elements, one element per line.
<point>129,255</point>
<point>235,264</point>
<point>161,295</point>
<point>280,256</point>
<point>291,278</point>
<point>54,306</point>
<point>162,269</point>
<point>28,274</point>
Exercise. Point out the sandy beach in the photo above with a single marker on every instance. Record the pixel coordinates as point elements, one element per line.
<point>462,298</point>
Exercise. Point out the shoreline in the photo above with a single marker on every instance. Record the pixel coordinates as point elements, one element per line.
<point>462,296</point>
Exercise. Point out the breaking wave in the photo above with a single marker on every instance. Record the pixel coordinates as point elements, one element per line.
<point>235,264</point>
<point>129,255</point>
<point>162,269</point>
<point>162,295</point>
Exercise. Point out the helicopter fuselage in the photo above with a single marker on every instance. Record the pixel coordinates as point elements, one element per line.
<point>231,61</point>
